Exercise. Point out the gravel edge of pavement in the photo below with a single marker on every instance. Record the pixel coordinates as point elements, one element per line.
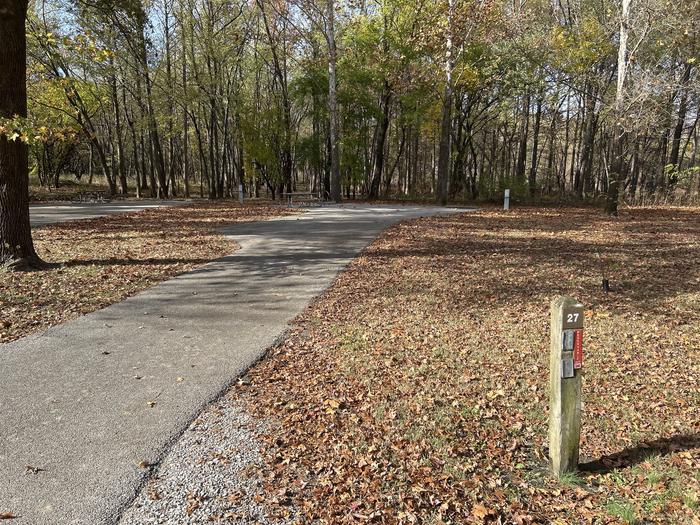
<point>209,474</point>
<point>222,425</point>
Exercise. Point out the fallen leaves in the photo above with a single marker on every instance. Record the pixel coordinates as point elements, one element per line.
<point>415,388</point>
<point>481,512</point>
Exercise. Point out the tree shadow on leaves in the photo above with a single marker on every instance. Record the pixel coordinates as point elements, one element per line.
<point>640,453</point>
<point>133,262</point>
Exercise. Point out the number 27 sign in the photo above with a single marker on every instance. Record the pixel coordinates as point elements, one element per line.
<point>573,318</point>
<point>572,326</point>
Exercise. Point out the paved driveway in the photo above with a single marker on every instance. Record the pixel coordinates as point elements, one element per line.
<point>75,401</point>
<point>41,214</point>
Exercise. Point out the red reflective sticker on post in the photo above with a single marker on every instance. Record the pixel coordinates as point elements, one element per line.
<point>578,348</point>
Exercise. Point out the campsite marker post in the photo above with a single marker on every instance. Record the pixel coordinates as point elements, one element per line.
<point>565,366</point>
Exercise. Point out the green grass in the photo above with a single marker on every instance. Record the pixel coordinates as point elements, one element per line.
<point>691,500</point>
<point>654,477</point>
<point>623,511</point>
<point>656,503</point>
<point>572,479</point>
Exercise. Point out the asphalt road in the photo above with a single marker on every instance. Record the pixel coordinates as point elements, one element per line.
<point>84,403</point>
<point>41,214</point>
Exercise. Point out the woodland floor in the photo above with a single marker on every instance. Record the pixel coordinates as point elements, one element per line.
<point>68,190</point>
<point>104,260</point>
<point>415,389</point>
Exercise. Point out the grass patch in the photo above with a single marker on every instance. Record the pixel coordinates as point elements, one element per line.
<point>691,500</point>
<point>572,479</point>
<point>623,511</point>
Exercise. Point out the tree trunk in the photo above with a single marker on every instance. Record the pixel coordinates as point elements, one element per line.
<point>185,126</point>
<point>522,149</point>
<point>121,172</point>
<point>333,104</point>
<point>618,152</point>
<point>381,142</point>
<point>172,183</point>
<point>678,130</point>
<point>443,168</point>
<point>156,149</point>
<point>532,179</point>
<point>16,246</point>
<point>585,183</point>
<point>399,153</point>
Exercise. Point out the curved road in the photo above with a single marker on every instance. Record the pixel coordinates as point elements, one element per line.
<point>76,421</point>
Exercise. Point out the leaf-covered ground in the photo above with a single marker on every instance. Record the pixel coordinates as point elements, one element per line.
<point>105,260</point>
<point>415,389</point>
<point>68,190</point>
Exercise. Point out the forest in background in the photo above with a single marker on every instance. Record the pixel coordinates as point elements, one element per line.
<point>450,99</point>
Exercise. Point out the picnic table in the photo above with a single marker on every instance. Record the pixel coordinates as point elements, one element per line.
<point>302,197</point>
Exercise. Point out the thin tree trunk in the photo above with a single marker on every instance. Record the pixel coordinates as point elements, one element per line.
<point>157,159</point>
<point>443,168</point>
<point>618,153</point>
<point>522,148</point>
<point>333,104</point>
<point>532,179</point>
<point>185,121</point>
<point>121,172</point>
<point>172,185</point>
<point>399,154</point>
<point>383,127</point>
<point>680,125</point>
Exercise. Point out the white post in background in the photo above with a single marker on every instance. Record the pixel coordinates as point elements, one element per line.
<point>240,193</point>
<point>506,200</point>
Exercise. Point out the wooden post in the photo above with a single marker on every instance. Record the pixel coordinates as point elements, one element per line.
<point>506,200</point>
<point>565,363</point>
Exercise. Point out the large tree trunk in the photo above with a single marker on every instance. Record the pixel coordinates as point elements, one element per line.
<point>16,246</point>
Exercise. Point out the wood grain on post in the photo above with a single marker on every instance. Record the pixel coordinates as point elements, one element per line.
<point>565,385</point>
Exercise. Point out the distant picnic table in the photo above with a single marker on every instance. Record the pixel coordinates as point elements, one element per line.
<point>303,197</point>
